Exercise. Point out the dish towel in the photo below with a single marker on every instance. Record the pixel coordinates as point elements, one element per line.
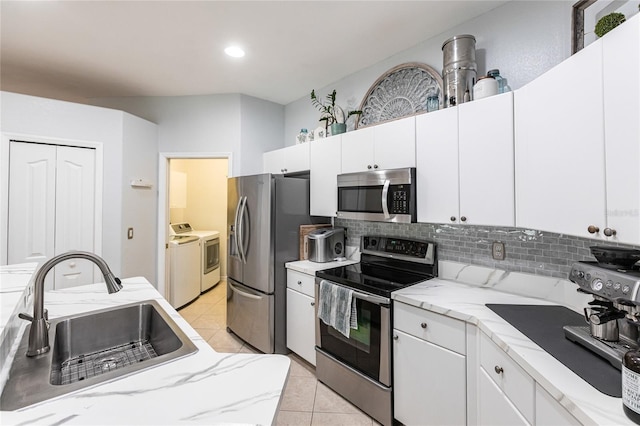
<point>336,307</point>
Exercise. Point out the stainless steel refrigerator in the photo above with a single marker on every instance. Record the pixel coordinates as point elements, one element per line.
<point>264,215</point>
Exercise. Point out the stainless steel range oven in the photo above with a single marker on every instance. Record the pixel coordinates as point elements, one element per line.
<point>359,367</point>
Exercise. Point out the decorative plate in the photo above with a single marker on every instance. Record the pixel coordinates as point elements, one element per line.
<point>400,92</point>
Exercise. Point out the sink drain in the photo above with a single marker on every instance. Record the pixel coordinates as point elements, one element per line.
<point>93,364</point>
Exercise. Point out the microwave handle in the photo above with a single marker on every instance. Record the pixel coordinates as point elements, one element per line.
<point>385,193</point>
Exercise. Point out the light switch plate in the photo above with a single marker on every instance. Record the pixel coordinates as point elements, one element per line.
<point>130,233</point>
<point>497,250</point>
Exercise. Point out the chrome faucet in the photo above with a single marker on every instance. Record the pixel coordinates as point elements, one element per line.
<point>39,333</point>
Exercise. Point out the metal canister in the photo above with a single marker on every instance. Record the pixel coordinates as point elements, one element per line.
<point>459,69</point>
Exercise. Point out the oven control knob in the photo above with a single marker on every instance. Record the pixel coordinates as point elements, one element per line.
<point>597,284</point>
<point>616,286</point>
<point>609,284</point>
<point>626,289</point>
<point>580,274</point>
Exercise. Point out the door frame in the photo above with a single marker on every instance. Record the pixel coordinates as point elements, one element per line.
<point>163,206</point>
<point>5,139</point>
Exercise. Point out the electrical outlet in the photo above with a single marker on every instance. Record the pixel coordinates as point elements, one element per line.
<point>497,250</point>
<point>130,233</point>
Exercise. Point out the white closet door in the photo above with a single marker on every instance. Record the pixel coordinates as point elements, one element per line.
<point>75,203</point>
<point>32,196</point>
<point>51,208</point>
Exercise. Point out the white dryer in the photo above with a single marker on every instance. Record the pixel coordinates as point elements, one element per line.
<point>184,274</point>
<point>210,253</point>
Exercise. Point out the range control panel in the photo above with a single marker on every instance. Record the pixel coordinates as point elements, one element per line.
<point>413,250</point>
<point>610,283</point>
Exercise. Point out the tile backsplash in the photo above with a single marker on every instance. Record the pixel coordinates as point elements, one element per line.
<point>529,251</point>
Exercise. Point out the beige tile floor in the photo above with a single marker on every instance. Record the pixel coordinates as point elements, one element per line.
<point>306,401</point>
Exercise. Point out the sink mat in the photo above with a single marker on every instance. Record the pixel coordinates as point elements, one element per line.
<point>543,325</point>
<point>96,363</point>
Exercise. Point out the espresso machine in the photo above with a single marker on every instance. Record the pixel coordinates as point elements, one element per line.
<point>613,316</point>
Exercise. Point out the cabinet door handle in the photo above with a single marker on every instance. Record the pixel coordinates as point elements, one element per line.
<point>498,369</point>
<point>423,325</point>
<point>452,218</point>
<point>610,232</point>
<point>369,166</point>
<point>313,303</point>
<point>395,337</point>
<point>463,218</point>
<point>299,282</point>
<point>592,229</point>
<point>375,166</point>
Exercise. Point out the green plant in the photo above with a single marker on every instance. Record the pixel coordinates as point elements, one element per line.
<point>329,111</point>
<point>609,22</point>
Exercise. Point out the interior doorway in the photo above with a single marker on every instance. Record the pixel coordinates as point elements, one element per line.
<point>193,189</point>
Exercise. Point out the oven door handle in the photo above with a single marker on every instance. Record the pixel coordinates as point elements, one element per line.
<point>385,194</point>
<point>377,300</point>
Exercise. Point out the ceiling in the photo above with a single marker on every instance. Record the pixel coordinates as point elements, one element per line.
<point>75,50</point>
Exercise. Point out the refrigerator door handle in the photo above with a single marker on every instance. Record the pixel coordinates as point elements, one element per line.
<point>236,228</point>
<point>243,293</point>
<point>240,239</point>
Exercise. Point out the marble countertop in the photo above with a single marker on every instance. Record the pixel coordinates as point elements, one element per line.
<point>466,302</point>
<point>310,268</point>
<point>203,388</point>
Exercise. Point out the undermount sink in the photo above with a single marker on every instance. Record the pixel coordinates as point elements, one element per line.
<point>93,348</point>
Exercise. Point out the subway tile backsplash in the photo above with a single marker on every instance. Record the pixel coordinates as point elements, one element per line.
<point>529,251</point>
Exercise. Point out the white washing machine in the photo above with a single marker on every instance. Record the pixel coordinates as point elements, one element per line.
<point>184,275</point>
<point>210,256</point>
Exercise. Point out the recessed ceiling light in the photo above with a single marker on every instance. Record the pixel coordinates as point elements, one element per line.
<point>234,51</point>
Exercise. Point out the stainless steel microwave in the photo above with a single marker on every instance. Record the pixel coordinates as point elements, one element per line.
<point>380,195</point>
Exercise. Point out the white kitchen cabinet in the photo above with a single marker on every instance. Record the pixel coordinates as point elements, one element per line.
<point>485,142</point>
<point>621,57</point>
<point>428,374</point>
<point>549,412</point>
<point>465,163</point>
<point>494,408</point>
<point>515,385</point>
<point>559,155</point>
<point>291,159</point>
<point>325,164</point>
<point>384,146</point>
<point>437,181</point>
<point>301,315</point>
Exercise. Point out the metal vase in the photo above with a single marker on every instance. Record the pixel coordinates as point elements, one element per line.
<point>459,69</point>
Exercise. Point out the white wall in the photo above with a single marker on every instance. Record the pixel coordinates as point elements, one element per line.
<point>129,149</point>
<point>522,38</point>
<point>48,118</point>
<point>262,129</point>
<point>139,205</point>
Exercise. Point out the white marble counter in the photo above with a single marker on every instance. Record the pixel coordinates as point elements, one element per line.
<point>203,388</point>
<point>310,268</point>
<point>467,302</point>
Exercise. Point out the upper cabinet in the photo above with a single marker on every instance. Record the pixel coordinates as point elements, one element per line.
<point>577,142</point>
<point>465,163</point>
<point>389,145</point>
<point>325,165</point>
<point>291,159</point>
<point>560,176</point>
<point>621,58</point>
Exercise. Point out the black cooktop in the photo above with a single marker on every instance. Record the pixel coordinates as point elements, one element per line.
<point>372,278</point>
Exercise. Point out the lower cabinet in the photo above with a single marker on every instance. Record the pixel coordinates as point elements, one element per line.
<point>427,378</point>
<point>429,374</point>
<point>301,315</point>
<point>549,412</point>
<point>494,408</point>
